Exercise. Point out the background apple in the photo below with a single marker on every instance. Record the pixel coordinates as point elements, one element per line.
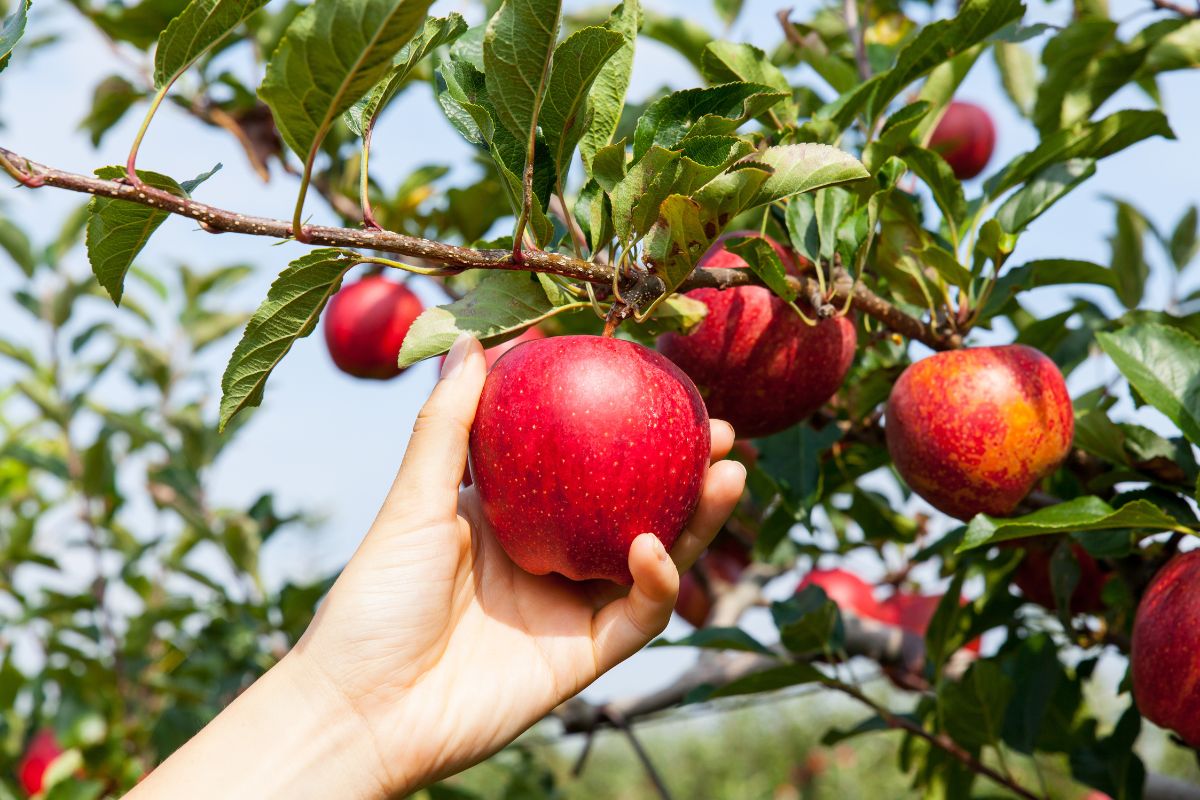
<point>965,137</point>
<point>721,565</point>
<point>43,751</point>
<point>365,325</point>
<point>974,430</point>
<point>582,443</point>
<point>913,612</point>
<point>850,592</point>
<point>758,365</point>
<point>1166,649</point>
<point>1033,578</point>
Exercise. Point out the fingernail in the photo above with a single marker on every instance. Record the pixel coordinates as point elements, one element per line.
<point>457,355</point>
<point>660,550</point>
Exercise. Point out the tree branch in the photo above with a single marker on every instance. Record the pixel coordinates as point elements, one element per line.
<point>217,220</point>
<point>1167,5</point>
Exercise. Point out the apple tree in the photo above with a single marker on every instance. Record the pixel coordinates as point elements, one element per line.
<point>817,234</point>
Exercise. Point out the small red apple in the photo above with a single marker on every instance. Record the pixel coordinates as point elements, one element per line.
<point>758,365</point>
<point>965,137</point>
<point>1165,654</point>
<point>1033,578</point>
<point>722,564</point>
<point>582,443</point>
<point>43,751</point>
<point>365,325</point>
<point>850,592</point>
<point>913,612</point>
<point>973,431</point>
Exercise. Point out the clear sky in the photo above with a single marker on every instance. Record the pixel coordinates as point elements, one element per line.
<point>330,444</point>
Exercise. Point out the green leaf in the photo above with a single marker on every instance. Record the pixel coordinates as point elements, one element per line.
<point>290,312</point>
<point>682,35</point>
<point>946,265</point>
<point>438,31</point>
<point>725,62</point>
<point>1042,191</point>
<point>500,307</point>
<point>117,230</point>
<point>801,217</point>
<point>797,168</point>
<point>1179,49</point>
<point>607,96</point>
<point>516,55</point>
<point>1079,514</point>
<point>974,708</point>
<point>771,680</point>
<point>1068,58</point>
<point>1129,264</point>
<point>678,239</point>
<point>1162,364</point>
<point>1018,74</point>
<point>935,44</point>
<point>718,639</point>
<point>15,242</point>
<point>939,177</point>
<point>332,53</point>
<point>112,97</point>
<point>763,262</point>
<point>1184,243</point>
<point>10,34</point>
<point>578,61</point>
<point>1094,140</point>
<point>709,111</point>
<point>202,25</point>
<point>808,622</point>
<point>728,10</point>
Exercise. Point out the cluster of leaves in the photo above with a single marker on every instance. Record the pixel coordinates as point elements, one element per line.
<point>836,165</point>
<point>133,608</point>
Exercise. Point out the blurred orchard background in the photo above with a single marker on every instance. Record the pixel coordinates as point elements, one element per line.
<point>329,445</point>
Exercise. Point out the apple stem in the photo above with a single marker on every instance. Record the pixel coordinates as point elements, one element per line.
<point>617,312</point>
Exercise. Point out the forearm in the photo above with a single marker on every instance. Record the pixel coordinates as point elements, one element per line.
<point>290,735</point>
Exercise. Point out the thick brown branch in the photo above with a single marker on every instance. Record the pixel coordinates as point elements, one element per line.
<point>217,220</point>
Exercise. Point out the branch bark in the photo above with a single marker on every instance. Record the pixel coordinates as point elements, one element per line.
<point>217,220</point>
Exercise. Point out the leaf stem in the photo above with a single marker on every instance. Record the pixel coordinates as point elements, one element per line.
<point>131,161</point>
<point>364,179</point>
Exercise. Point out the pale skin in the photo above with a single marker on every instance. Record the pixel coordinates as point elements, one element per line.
<point>433,650</point>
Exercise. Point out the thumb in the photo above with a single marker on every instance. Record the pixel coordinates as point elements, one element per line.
<point>426,487</point>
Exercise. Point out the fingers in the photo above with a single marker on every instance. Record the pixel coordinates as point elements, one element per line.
<point>722,439</point>
<point>722,488</point>
<point>428,481</point>
<point>624,626</point>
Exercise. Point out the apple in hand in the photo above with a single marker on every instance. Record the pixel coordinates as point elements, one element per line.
<point>850,592</point>
<point>965,138</point>
<point>973,431</point>
<point>581,444</point>
<point>759,366</point>
<point>365,325</point>
<point>1033,578</point>
<point>1165,653</point>
<point>722,564</point>
<point>43,751</point>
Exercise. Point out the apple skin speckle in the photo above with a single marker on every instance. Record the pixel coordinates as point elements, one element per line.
<point>973,431</point>
<point>581,444</point>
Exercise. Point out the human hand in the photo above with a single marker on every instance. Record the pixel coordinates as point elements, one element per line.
<point>433,650</point>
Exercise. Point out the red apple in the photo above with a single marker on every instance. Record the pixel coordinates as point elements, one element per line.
<point>722,564</point>
<point>43,751</point>
<point>1033,578</point>
<point>965,137</point>
<point>758,365</point>
<point>913,612</point>
<point>582,443</point>
<point>850,592</point>
<point>973,431</point>
<point>1166,649</point>
<point>365,325</point>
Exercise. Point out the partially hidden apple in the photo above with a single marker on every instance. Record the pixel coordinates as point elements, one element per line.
<point>579,445</point>
<point>365,325</point>
<point>913,612</point>
<point>721,565</point>
<point>973,431</point>
<point>850,592</point>
<point>1165,653</point>
<point>43,751</point>
<point>965,138</point>
<point>758,365</point>
<point>1033,578</point>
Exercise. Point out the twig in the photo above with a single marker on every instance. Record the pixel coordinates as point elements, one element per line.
<point>1168,5</point>
<point>214,219</point>
<point>659,785</point>
<point>850,10</point>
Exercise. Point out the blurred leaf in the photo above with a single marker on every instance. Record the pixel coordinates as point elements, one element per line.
<point>1184,243</point>
<point>10,34</point>
<point>808,622</point>
<point>771,680</point>
<point>1163,365</point>
<point>1018,74</point>
<point>974,708</point>
<point>201,25</point>
<point>717,639</point>
<point>290,312</point>
<point>333,52</point>
<point>1128,258</point>
<point>682,35</point>
<point>606,98</point>
<point>1067,58</point>
<point>1080,514</point>
<point>16,243</point>
<point>112,97</point>
<point>1042,191</point>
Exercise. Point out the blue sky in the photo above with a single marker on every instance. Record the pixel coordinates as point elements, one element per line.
<point>331,444</point>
